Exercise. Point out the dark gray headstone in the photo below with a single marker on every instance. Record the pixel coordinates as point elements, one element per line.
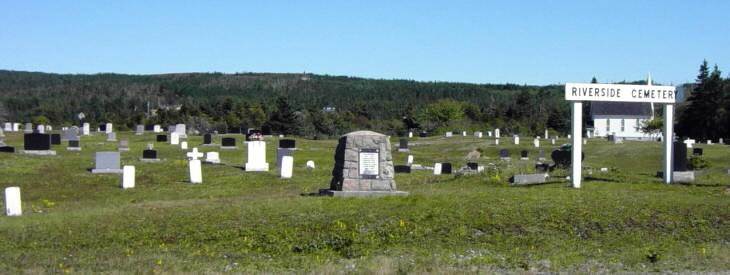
<point>287,143</point>
<point>7,149</point>
<point>107,162</point>
<point>149,154</point>
<point>423,134</point>
<point>207,139</point>
<point>680,156</point>
<point>524,153</point>
<point>446,168</point>
<point>472,166</point>
<point>403,144</point>
<point>149,128</point>
<point>503,153</point>
<point>161,138</point>
<point>402,169</point>
<point>102,127</point>
<point>55,139</point>
<point>37,142</point>
<point>228,142</point>
<point>696,151</point>
<point>73,143</point>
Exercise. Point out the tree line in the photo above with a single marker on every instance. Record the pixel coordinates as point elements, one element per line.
<point>319,106</point>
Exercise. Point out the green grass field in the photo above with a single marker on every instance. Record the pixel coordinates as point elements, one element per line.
<point>623,220</point>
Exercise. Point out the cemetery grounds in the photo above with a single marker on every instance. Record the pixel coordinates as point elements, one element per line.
<point>621,220</point>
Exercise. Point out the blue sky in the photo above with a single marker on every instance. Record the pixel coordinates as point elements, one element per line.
<point>532,42</point>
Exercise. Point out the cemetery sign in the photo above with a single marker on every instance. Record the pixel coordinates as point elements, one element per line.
<point>620,93</point>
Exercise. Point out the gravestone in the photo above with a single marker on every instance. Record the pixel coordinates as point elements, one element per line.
<point>541,155</point>
<point>8,127</point>
<point>196,172</point>
<point>402,169</point>
<point>184,145</point>
<point>181,130</point>
<point>70,133</point>
<point>149,154</point>
<point>524,155</point>
<point>472,166</point>
<point>107,162</point>
<point>102,128</point>
<point>403,145</point>
<point>161,138</point>
<point>496,141</point>
<point>111,136</point>
<point>446,168</point>
<point>174,138</point>
<point>680,157</point>
<point>55,139</point>
<point>149,128</point>
<point>689,142</point>
<point>28,128</point>
<point>228,143</point>
<point>37,144</point>
<point>528,179</point>
<point>6,149</point>
<point>109,128</point>
<point>256,160</point>
<point>73,145</point>
<point>363,166</point>
<point>496,133</point>
<point>86,129</point>
<point>208,140</point>
<point>212,157</point>
<point>410,134</point>
<point>286,148</point>
<point>157,128</point>
<point>128,177</point>
<point>423,134</point>
<point>552,141</point>
<point>697,151</point>
<point>504,154</point>
<point>409,160</point>
<point>437,168</point>
<point>536,143</point>
<point>140,130</point>
<point>463,134</point>
<point>449,134</point>
<point>123,145</point>
<point>287,167</point>
<point>40,129</point>
<point>517,140</point>
<point>13,205</point>
<point>546,134</point>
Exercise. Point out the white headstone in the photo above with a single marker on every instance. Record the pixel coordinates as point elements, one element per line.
<point>478,134</point>
<point>156,128</point>
<point>496,133</point>
<point>196,172</point>
<point>174,138</point>
<point>709,141</point>
<point>16,127</point>
<point>109,128</point>
<point>449,134</point>
<point>12,201</point>
<point>310,164</point>
<point>536,143</point>
<point>410,134</point>
<point>546,134</point>
<point>256,160</point>
<point>437,169</point>
<point>41,129</point>
<point>212,157</point>
<point>489,133</point>
<point>86,129</point>
<point>552,140</point>
<point>517,140</point>
<point>194,155</point>
<point>184,145</point>
<point>287,167</point>
<point>181,130</point>
<point>8,127</point>
<point>689,142</point>
<point>463,134</point>
<point>721,141</point>
<point>127,177</point>
<point>496,141</point>
<point>569,136</point>
<point>410,160</point>
<point>49,128</point>
<point>585,141</point>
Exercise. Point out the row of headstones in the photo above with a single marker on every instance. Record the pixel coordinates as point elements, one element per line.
<point>478,134</point>
<point>403,143</point>
<point>689,143</point>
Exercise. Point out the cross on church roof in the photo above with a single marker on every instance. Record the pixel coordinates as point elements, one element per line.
<point>194,155</point>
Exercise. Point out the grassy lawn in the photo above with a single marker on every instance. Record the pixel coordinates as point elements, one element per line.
<point>622,220</point>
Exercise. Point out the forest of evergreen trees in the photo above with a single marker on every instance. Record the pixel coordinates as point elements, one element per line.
<point>319,106</point>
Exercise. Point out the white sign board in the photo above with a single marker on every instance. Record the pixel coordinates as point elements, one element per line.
<point>369,163</point>
<point>620,92</point>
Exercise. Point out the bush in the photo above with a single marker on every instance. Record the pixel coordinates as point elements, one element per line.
<point>698,162</point>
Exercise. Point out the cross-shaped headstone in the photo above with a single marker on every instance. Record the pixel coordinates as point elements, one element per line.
<point>689,142</point>
<point>194,155</point>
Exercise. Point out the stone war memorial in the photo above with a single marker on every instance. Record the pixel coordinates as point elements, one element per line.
<point>363,167</point>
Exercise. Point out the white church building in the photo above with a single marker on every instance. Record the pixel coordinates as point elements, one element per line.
<point>621,119</point>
